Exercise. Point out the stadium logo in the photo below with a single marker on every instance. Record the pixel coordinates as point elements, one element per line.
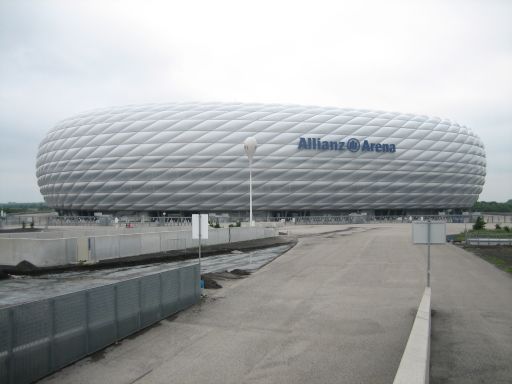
<point>353,145</point>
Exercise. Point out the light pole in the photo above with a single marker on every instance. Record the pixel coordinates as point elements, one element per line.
<point>250,145</point>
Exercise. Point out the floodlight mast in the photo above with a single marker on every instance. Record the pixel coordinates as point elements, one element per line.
<point>250,145</point>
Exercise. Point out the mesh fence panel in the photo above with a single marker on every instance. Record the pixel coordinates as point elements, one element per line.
<point>150,293</point>
<point>128,311</point>
<point>189,291</point>
<point>40,337</point>
<point>31,340</point>
<point>70,329</point>
<point>5,344</point>
<point>170,292</point>
<point>101,317</point>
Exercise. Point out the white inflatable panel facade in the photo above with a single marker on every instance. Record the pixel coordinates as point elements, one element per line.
<point>190,157</point>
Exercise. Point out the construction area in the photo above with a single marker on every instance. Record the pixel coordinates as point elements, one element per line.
<point>336,307</point>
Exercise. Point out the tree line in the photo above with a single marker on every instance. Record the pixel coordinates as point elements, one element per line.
<point>492,206</point>
<point>13,207</point>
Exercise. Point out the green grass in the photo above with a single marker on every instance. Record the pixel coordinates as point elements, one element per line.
<point>498,255</point>
<point>496,261</point>
<point>492,233</point>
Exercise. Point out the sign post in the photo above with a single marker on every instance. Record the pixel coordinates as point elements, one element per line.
<point>428,232</point>
<point>200,230</point>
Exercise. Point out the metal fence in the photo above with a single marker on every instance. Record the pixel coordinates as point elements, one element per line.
<point>43,336</point>
<point>28,220</point>
<point>370,219</point>
<point>486,238</point>
<point>151,222</point>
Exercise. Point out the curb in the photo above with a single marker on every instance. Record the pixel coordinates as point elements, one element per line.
<point>414,366</point>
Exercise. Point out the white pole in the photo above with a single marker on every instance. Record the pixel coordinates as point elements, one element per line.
<point>250,145</point>
<point>250,193</point>
<point>199,244</point>
<point>428,256</point>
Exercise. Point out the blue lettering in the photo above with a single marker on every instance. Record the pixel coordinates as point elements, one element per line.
<point>352,145</point>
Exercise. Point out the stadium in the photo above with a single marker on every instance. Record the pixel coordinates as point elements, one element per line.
<point>180,158</point>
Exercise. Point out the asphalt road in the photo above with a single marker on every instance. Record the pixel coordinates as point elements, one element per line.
<point>337,308</point>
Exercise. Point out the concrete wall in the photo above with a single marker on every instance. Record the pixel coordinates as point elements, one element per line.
<point>92,249</point>
<point>89,231</point>
<point>40,252</point>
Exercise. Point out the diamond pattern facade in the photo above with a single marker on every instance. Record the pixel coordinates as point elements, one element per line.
<point>190,156</point>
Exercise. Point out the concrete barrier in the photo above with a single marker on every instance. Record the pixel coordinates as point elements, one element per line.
<point>414,366</point>
<point>50,252</point>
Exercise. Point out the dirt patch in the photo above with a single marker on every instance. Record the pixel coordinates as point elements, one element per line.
<point>499,255</point>
<point>211,279</point>
<point>172,317</point>
<point>209,282</point>
<point>224,276</point>
<point>240,272</point>
<point>26,266</point>
<point>97,356</point>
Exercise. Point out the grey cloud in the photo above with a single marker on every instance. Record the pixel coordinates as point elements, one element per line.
<point>448,59</point>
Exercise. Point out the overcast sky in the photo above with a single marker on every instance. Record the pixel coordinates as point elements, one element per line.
<point>451,59</point>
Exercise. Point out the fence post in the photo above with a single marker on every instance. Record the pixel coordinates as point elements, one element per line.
<point>139,317</point>
<point>51,357</point>
<point>116,312</point>
<point>87,320</point>
<point>160,296</point>
<point>10,346</point>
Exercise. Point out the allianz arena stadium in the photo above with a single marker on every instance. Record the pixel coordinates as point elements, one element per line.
<point>189,157</point>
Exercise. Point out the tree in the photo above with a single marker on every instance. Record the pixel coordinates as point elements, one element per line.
<point>479,224</point>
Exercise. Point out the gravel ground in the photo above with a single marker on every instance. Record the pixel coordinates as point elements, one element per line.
<point>499,255</point>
